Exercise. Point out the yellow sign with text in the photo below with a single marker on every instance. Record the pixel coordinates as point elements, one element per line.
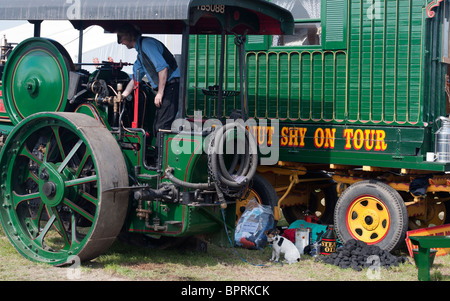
<point>325,138</point>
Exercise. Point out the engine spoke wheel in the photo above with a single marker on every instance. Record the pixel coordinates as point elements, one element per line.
<point>56,170</point>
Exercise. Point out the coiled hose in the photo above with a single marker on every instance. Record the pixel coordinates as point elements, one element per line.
<point>224,180</point>
<point>248,160</point>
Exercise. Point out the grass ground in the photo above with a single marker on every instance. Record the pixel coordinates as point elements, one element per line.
<point>127,262</point>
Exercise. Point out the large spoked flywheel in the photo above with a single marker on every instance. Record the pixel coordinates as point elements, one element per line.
<point>55,170</point>
<point>36,78</point>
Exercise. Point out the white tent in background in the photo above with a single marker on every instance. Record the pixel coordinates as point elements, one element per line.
<point>98,46</point>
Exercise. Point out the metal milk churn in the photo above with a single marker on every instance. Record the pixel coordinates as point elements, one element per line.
<point>302,238</point>
<point>442,141</point>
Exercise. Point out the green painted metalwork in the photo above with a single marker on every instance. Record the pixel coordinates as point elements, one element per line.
<point>386,74</point>
<point>94,111</point>
<point>185,154</point>
<point>376,79</point>
<point>425,243</point>
<point>54,161</point>
<point>204,72</point>
<point>78,166</point>
<point>3,115</point>
<point>36,79</point>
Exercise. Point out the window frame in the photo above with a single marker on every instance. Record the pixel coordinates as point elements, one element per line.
<point>333,12</point>
<point>303,21</point>
<point>445,34</point>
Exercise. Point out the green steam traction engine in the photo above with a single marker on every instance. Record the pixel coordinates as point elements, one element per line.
<point>77,164</point>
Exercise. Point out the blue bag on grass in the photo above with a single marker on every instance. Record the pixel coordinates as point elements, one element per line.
<point>250,228</point>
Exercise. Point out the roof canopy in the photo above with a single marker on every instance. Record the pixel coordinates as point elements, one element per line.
<point>157,16</point>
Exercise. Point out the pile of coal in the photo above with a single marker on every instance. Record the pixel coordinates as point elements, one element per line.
<point>357,255</point>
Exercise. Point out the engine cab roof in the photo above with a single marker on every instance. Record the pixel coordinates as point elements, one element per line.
<point>156,16</point>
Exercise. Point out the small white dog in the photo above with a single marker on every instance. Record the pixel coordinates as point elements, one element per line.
<point>282,245</point>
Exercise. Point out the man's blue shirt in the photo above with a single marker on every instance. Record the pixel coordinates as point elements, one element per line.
<point>153,49</point>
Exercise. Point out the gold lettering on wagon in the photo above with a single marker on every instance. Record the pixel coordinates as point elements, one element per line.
<point>369,139</point>
<point>325,138</point>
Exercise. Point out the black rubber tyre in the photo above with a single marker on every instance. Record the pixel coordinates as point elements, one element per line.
<point>262,191</point>
<point>373,212</point>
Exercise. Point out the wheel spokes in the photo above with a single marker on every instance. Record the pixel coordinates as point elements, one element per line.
<point>59,159</point>
<point>89,198</point>
<point>59,233</point>
<point>82,165</point>
<point>60,227</point>
<point>18,198</point>
<point>79,210</point>
<point>81,181</point>
<point>58,143</point>
<point>40,238</point>
<point>70,155</point>
<point>58,239</point>
<point>53,182</point>
<point>26,153</point>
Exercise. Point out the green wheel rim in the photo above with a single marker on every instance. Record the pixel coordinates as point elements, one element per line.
<point>36,78</point>
<point>55,176</point>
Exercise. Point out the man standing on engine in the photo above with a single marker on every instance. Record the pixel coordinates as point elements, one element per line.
<point>159,65</point>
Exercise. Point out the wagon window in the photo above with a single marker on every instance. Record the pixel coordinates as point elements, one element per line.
<point>304,34</point>
<point>308,28</point>
<point>301,9</point>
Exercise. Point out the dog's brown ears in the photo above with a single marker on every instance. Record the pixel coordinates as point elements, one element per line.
<point>272,231</point>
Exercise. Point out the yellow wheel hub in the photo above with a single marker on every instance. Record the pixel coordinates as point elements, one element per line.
<point>368,219</point>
